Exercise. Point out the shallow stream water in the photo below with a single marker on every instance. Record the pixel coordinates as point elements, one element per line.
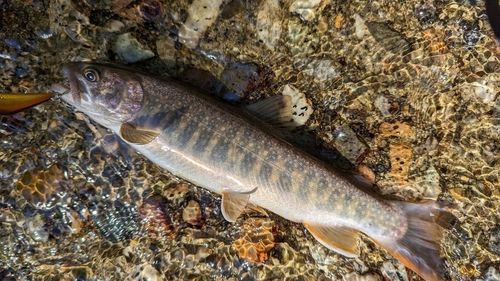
<point>405,92</point>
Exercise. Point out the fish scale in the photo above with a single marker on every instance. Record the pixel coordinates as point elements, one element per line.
<point>231,152</point>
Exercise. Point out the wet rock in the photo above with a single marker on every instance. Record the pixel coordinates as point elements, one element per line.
<point>233,8</point>
<point>353,276</point>
<point>393,272</point>
<point>384,105</point>
<point>144,272</point>
<point>494,243</point>
<point>74,221</point>
<point>471,38</point>
<point>45,33</point>
<point>301,106</point>
<point>257,240</point>
<point>192,214</point>
<point>6,274</point>
<point>269,23</point>
<point>360,27</point>
<point>434,41</point>
<point>348,144</point>
<point>114,26</point>
<point>165,47</point>
<point>201,15</point>
<point>308,9</point>
<point>156,218</point>
<point>13,43</point>
<point>176,194</point>
<point>322,70</point>
<point>37,229</point>
<point>491,274</point>
<point>486,92</point>
<point>41,188</point>
<point>321,255</point>
<point>367,173</point>
<point>430,187</point>
<point>243,78</point>
<point>284,254</point>
<point>300,40</point>
<point>146,10</point>
<point>22,70</point>
<point>389,39</point>
<point>130,50</point>
<point>396,129</point>
<point>74,31</point>
<point>425,13</point>
<point>401,159</point>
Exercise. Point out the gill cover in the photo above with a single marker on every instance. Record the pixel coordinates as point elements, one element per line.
<point>104,90</point>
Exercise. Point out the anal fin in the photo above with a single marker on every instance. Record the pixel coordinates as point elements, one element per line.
<point>137,134</point>
<point>340,239</point>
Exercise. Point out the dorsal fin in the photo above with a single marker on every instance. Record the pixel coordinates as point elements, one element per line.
<point>287,111</point>
<point>274,111</point>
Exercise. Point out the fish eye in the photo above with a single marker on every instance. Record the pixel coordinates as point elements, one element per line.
<point>91,74</point>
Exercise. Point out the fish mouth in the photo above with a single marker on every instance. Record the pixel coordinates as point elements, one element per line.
<point>74,96</point>
<point>76,91</point>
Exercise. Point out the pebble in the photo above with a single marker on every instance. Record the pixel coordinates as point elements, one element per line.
<point>301,106</point>
<point>155,217</point>
<point>130,50</point>
<point>492,274</point>
<point>36,228</point>
<point>323,70</point>
<point>348,144</point>
<point>360,27</point>
<point>391,272</point>
<point>401,159</point>
<point>353,276</point>
<point>192,213</point>
<point>40,187</point>
<point>494,243</point>
<point>165,47</point>
<point>268,24</point>
<point>114,26</point>
<point>308,9</point>
<point>241,78</point>
<point>202,14</point>
<point>257,239</point>
<point>176,194</point>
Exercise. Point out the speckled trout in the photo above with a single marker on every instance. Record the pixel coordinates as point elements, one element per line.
<point>232,152</point>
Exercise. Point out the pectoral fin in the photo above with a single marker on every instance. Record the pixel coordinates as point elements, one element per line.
<point>137,134</point>
<point>336,238</point>
<point>233,204</point>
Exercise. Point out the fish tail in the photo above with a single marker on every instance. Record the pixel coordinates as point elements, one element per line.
<point>419,247</point>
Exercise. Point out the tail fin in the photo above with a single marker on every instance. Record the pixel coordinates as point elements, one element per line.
<point>419,248</point>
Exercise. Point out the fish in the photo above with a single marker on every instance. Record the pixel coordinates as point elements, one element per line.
<point>11,103</point>
<point>493,12</point>
<point>234,152</point>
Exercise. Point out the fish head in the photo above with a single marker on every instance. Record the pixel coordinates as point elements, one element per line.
<point>108,94</point>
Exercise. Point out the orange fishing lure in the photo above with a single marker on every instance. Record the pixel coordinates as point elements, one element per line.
<point>11,103</point>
